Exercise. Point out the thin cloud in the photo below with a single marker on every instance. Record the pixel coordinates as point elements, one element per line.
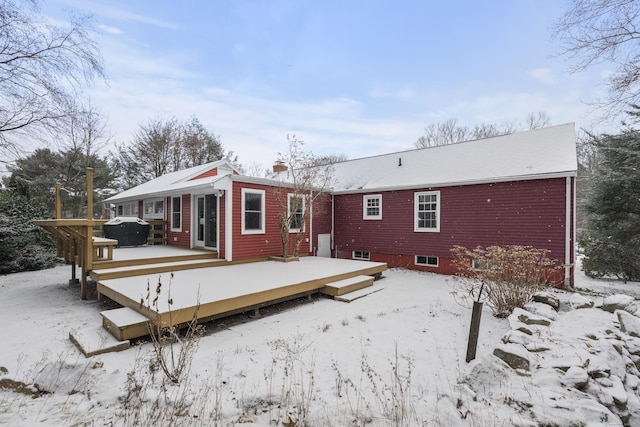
<point>110,30</point>
<point>400,94</point>
<point>543,75</point>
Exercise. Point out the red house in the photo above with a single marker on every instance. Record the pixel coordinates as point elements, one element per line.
<point>407,209</point>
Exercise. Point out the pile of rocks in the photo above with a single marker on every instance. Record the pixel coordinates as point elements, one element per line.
<point>568,359</point>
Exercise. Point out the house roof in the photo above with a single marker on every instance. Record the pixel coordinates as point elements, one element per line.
<point>547,152</point>
<point>541,153</point>
<point>175,183</point>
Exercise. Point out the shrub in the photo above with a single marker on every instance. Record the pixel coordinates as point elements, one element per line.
<point>23,246</point>
<point>511,275</point>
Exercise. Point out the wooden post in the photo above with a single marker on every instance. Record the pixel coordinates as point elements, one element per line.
<point>58,202</point>
<point>87,253</point>
<point>474,330</point>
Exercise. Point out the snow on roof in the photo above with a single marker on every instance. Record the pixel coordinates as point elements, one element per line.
<point>539,153</point>
<point>172,183</point>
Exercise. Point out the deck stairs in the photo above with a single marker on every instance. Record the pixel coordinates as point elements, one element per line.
<point>116,269</point>
<point>345,286</point>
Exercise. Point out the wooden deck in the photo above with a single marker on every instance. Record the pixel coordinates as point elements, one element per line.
<point>209,293</point>
<point>146,260</point>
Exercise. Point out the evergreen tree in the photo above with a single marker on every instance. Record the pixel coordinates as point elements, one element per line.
<point>612,237</point>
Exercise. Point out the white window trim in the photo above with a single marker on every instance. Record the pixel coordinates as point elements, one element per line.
<point>417,229</point>
<point>426,264</point>
<point>361,257</point>
<point>154,214</point>
<point>132,208</point>
<point>262,219</point>
<point>367,197</point>
<point>173,200</point>
<point>289,197</point>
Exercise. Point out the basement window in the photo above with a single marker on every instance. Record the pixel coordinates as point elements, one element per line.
<point>361,255</point>
<point>483,265</point>
<point>430,261</point>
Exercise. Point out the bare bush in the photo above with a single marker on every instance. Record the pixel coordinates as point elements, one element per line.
<point>510,275</point>
<point>297,386</point>
<point>393,397</point>
<point>173,350</point>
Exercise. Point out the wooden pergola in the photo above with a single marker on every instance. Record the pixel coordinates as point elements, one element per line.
<point>76,242</point>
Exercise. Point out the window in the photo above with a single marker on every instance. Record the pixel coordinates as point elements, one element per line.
<point>176,213</point>
<point>431,261</point>
<point>154,209</point>
<point>296,212</point>
<point>427,211</point>
<point>363,255</point>
<point>128,209</point>
<point>482,265</point>
<point>252,211</point>
<point>372,206</point>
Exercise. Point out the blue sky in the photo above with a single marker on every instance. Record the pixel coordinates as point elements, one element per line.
<point>353,77</point>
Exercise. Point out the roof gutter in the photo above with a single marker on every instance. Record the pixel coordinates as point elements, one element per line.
<point>567,174</point>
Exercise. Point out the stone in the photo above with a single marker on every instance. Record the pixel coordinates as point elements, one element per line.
<point>517,337</point>
<point>633,345</point>
<point>536,347</point>
<point>579,301</point>
<point>632,382</point>
<point>576,377</point>
<point>547,298</point>
<point>533,319</point>
<point>629,323</point>
<point>513,355</point>
<point>542,309</point>
<point>616,302</point>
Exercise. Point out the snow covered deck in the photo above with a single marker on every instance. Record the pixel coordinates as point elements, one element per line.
<point>214,292</point>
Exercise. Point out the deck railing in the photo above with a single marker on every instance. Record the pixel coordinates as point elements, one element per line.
<point>157,232</point>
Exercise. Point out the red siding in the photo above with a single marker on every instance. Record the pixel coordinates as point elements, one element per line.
<point>510,213</point>
<point>209,173</point>
<point>250,246</point>
<point>181,238</point>
<point>321,218</point>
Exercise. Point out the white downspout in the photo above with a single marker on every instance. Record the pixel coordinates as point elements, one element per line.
<point>311,225</point>
<point>569,213</point>
<point>332,244</point>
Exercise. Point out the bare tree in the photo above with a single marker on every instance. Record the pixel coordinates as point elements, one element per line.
<point>163,146</point>
<point>537,120</point>
<point>156,144</point>
<point>199,145</point>
<point>449,131</point>
<point>443,133</point>
<point>306,178</point>
<point>596,31</point>
<point>43,68</point>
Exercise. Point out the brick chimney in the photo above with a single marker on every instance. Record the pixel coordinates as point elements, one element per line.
<point>279,166</point>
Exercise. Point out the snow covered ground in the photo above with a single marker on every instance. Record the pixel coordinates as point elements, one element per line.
<point>395,357</point>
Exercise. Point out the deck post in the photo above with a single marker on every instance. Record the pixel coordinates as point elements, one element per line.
<point>58,203</point>
<point>87,255</point>
<point>73,280</point>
